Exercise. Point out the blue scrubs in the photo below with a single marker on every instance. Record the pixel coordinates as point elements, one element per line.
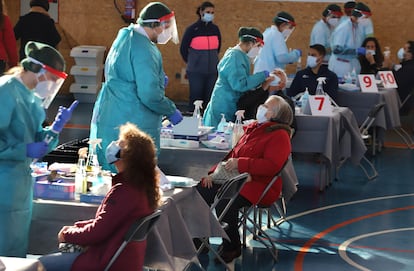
<point>133,90</point>
<point>234,79</point>
<point>21,121</point>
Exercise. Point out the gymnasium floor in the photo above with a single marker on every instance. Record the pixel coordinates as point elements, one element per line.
<point>356,224</point>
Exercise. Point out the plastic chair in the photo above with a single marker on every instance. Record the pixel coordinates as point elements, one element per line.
<point>137,232</point>
<point>258,233</point>
<point>228,191</point>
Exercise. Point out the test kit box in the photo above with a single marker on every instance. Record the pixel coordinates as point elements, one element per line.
<point>88,55</point>
<point>86,93</point>
<point>90,198</point>
<point>87,74</point>
<point>60,190</point>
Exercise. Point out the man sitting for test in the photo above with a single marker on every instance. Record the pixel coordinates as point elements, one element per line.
<point>307,78</point>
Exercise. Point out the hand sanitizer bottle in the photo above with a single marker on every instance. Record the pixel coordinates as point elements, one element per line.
<point>198,105</point>
<point>319,88</point>
<point>222,125</point>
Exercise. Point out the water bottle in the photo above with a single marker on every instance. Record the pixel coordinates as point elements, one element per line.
<point>353,77</point>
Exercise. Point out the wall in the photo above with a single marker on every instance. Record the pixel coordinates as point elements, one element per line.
<point>96,22</point>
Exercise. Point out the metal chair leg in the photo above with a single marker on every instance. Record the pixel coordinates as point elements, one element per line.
<point>371,166</point>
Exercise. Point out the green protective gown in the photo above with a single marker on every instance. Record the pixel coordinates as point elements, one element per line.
<point>234,79</point>
<point>21,121</point>
<point>133,90</point>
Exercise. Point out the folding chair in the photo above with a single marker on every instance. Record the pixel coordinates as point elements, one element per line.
<point>367,124</point>
<point>258,233</point>
<point>228,191</point>
<point>137,232</point>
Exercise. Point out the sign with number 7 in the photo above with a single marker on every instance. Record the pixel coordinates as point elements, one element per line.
<point>320,105</point>
<point>367,83</point>
<point>387,78</point>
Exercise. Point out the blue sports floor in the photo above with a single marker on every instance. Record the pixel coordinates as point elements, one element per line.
<point>355,224</point>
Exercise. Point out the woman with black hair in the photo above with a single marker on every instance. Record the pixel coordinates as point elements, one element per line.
<point>373,59</point>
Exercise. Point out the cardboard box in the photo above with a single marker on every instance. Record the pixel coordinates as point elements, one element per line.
<point>88,55</point>
<point>60,190</point>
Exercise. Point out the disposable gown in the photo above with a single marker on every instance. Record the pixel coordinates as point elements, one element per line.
<point>321,34</point>
<point>345,39</point>
<point>234,79</point>
<point>133,90</point>
<point>21,121</point>
<point>274,53</point>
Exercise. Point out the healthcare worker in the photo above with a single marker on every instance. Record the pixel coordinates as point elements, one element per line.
<point>22,138</point>
<point>134,88</point>
<point>234,77</point>
<point>346,42</point>
<point>275,53</point>
<point>367,26</point>
<point>321,31</point>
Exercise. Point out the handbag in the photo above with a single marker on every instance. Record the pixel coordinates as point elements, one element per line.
<point>221,175</point>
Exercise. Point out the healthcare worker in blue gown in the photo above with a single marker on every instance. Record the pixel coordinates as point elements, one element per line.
<point>23,139</point>
<point>134,88</point>
<point>234,77</point>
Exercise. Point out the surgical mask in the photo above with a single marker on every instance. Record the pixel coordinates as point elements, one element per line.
<point>333,22</point>
<point>261,114</point>
<point>372,52</point>
<point>254,52</point>
<point>207,17</point>
<point>311,61</point>
<point>362,21</point>
<point>275,81</point>
<point>113,152</point>
<point>164,37</point>
<point>286,33</point>
<point>400,54</point>
<point>44,89</point>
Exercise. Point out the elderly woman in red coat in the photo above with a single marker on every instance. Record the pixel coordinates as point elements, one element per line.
<point>261,152</point>
<point>134,194</point>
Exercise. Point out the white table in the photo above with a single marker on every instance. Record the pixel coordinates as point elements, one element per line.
<point>20,264</point>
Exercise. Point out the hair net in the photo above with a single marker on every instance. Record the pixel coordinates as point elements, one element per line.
<point>284,17</point>
<point>153,11</point>
<point>250,34</point>
<point>43,53</point>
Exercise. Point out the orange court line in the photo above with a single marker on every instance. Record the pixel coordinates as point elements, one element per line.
<point>307,246</point>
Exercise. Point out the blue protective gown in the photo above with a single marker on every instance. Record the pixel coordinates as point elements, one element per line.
<point>21,121</point>
<point>321,34</point>
<point>133,90</point>
<point>274,53</point>
<point>345,39</point>
<point>234,79</point>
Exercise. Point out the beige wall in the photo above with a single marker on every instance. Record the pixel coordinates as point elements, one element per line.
<point>96,22</point>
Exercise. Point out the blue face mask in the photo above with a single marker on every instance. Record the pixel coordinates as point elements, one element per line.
<point>113,152</point>
<point>207,17</point>
<point>311,62</point>
<point>400,54</point>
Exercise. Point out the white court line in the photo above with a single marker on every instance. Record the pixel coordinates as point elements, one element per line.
<point>345,204</point>
<point>342,248</point>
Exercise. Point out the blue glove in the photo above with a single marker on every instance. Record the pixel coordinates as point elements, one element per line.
<point>63,116</point>
<point>165,81</point>
<point>361,51</point>
<point>36,149</point>
<point>266,73</point>
<point>298,52</point>
<point>176,117</point>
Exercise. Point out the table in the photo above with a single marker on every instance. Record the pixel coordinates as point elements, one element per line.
<point>169,246</point>
<point>330,137</point>
<point>195,163</point>
<point>20,264</point>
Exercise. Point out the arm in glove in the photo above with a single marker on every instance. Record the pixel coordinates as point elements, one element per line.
<point>266,73</point>
<point>361,51</point>
<point>176,117</point>
<point>63,116</point>
<point>36,149</point>
<point>298,52</point>
<point>165,81</point>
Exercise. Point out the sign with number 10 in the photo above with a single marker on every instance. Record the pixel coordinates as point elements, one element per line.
<point>367,83</point>
<point>387,78</point>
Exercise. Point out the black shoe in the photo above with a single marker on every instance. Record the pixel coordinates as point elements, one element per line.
<point>229,255</point>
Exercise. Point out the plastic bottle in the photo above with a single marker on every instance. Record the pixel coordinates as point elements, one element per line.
<point>238,128</point>
<point>198,105</point>
<point>304,101</point>
<point>353,77</point>
<point>299,64</point>
<point>80,177</point>
<point>92,163</point>
<point>222,124</point>
<point>319,88</point>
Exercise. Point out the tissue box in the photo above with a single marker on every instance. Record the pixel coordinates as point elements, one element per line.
<point>90,198</point>
<point>60,190</point>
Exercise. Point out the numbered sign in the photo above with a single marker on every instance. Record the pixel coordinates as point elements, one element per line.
<point>367,83</point>
<point>320,105</point>
<point>387,78</point>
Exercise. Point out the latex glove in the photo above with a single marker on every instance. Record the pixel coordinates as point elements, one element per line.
<point>165,81</point>
<point>361,51</point>
<point>63,116</point>
<point>298,52</point>
<point>266,73</point>
<point>36,149</point>
<point>176,117</point>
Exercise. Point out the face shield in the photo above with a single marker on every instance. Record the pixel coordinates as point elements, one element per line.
<point>50,81</point>
<point>169,28</point>
<point>289,29</point>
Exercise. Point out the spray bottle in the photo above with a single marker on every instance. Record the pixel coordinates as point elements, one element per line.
<point>319,88</point>
<point>304,101</point>
<point>221,127</point>
<point>198,105</point>
<point>238,127</point>
<point>353,77</point>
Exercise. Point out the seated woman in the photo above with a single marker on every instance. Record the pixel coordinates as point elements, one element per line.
<point>373,59</point>
<point>261,152</point>
<point>134,194</point>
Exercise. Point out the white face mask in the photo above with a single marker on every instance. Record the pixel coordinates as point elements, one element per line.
<point>44,88</point>
<point>275,81</point>
<point>164,37</point>
<point>254,52</point>
<point>311,61</point>
<point>400,54</point>
<point>261,114</point>
<point>372,52</point>
<point>333,22</point>
<point>286,33</point>
<point>207,17</point>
